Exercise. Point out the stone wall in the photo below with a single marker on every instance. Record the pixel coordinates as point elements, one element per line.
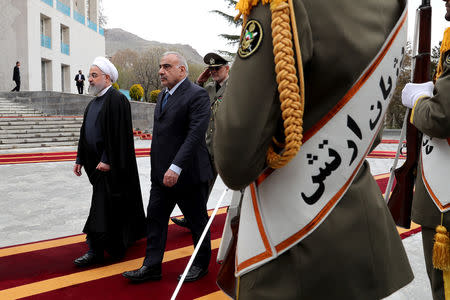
<point>65,104</point>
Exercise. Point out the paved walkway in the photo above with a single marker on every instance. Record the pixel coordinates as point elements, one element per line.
<point>46,200</point>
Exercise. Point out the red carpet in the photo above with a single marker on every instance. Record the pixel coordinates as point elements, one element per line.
<point>50,274</point>
<point>384,154</point>
<point>44,270</point>
<point>24,158</point>
<point>390,141</point>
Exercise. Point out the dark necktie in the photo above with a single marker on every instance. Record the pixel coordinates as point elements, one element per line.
<point>164,101</point>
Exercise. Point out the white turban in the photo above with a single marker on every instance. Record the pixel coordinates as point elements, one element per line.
<point>107,67</point>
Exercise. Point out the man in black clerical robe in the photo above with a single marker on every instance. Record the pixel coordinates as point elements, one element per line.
<point>106,151</point>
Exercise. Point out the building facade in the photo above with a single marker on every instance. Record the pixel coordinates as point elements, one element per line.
<point>52,39</point>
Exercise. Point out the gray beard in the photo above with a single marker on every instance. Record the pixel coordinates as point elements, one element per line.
<point>93,90</point>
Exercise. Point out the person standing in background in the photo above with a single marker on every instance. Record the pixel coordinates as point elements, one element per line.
<point>79,79</point>
<point>16,77</point>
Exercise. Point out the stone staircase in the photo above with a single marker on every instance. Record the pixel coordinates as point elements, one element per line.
<point>23,127</point>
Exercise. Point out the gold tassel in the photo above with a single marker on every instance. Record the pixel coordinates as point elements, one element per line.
<point>441,255</point>
<point>441,249</point>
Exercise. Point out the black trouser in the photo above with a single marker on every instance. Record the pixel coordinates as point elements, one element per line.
<point>100,242</point>
<point>80,89</point>
<point>17,88</point>
<point>192,202</point>
<point>104,224</point>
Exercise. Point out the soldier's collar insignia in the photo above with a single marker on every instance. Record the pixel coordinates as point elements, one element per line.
<point>251,40</point>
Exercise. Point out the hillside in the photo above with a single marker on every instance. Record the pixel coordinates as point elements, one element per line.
<point>118,39</point>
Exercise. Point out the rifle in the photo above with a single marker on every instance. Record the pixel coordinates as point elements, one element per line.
<point>225,277</point>
<point>226,280</point>
<point>400,202</point>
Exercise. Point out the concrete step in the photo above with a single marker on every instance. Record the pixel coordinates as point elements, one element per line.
<point>8,107</point>
<point>39,140</point>
<point>31,122</point>
<point>26,126</point>
<point>12,114</point>
<point>10,136</point>
<point>21,114</point>
<point>37,145</point>
<point>42,118</point>
<point>39,130</point>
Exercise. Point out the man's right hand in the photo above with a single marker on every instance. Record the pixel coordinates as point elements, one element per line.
<point>204,76</point>
<point>77,169</point>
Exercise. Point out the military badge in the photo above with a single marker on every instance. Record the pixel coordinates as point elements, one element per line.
<point>251,39</point>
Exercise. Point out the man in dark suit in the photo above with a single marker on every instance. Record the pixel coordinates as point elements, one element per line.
<point>79,79</point>
<point>217,69</point>
<point>16,77</point>
<point>180,168</point>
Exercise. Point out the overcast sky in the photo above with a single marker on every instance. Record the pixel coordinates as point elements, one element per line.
<point>190,22</point>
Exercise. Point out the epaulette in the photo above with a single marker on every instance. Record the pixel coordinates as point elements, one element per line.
<point>289,76</point>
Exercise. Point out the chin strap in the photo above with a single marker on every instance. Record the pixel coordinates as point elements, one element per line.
<point>292,96</point>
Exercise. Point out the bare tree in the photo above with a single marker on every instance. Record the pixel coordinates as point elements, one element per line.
<point>102,18</point>
<point>142,68</point>
<point>146,70</point>
<point>396,111</point>
<point>124,62</point>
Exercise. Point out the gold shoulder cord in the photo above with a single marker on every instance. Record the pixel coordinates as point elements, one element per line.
<point>292,97</point>
<point>445,46</point>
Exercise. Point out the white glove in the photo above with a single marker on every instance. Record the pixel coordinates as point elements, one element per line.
<point>413,91</point>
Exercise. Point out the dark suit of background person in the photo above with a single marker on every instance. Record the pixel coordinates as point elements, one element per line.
<point>116,217</point>
<point>16,77</point>
<point>178,139</point>
<point>79,78</point>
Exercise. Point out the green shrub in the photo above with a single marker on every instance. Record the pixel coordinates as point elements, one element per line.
<point>136,92</point>
<point>154,95</point>
<point>115,85</point>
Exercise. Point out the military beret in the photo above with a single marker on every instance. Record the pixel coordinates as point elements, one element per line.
<point>214,60</point>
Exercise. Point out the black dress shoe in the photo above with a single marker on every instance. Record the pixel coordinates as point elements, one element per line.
<point>180,222</point>
<point>194,273</point>
<point>144,273</point>
<point>88,259</point>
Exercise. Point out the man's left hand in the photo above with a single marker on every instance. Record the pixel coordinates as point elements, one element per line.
<point>170,178</point>
<point>103,167</point>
